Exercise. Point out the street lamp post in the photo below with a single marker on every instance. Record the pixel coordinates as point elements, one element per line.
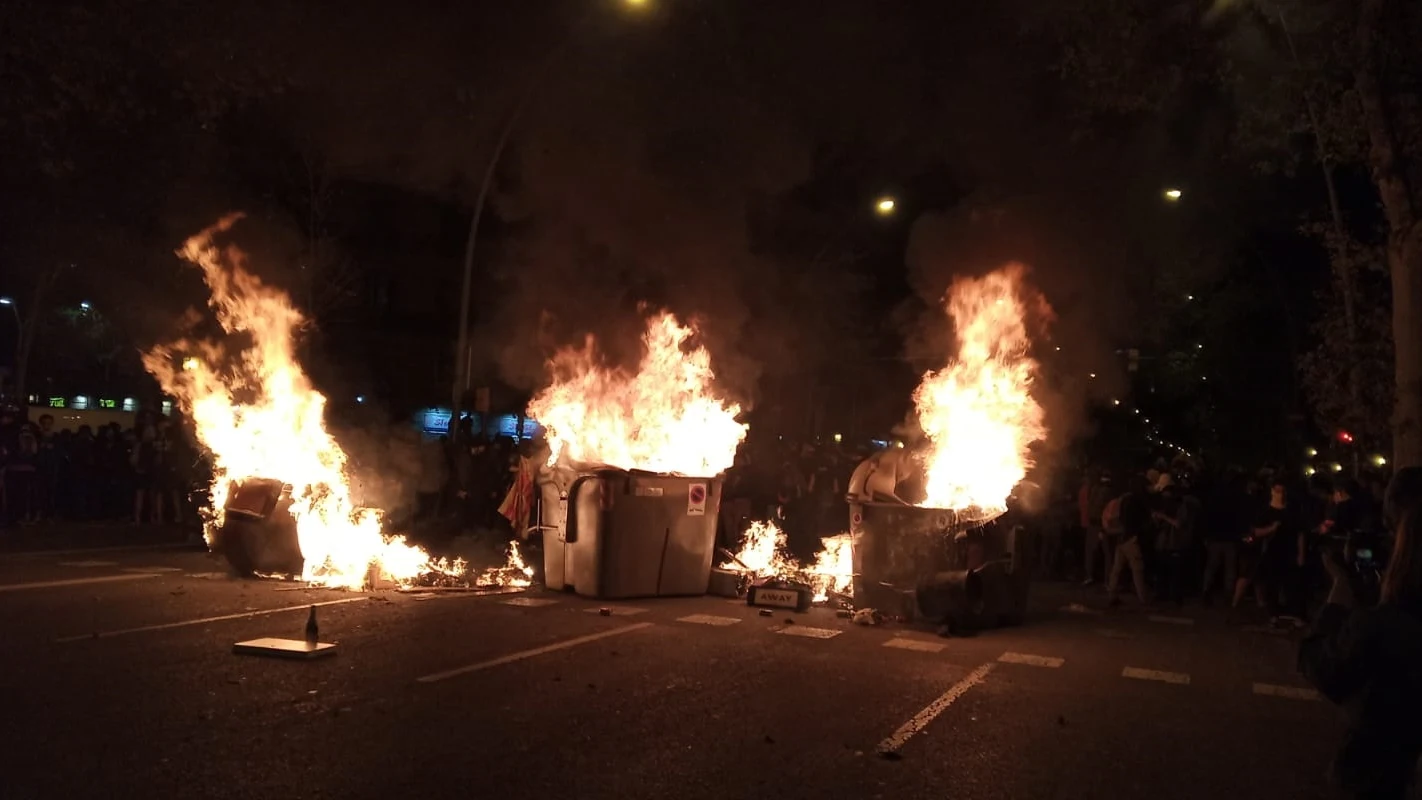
<point>461,351</point>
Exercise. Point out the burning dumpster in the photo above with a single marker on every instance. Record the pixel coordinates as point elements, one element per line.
<point>957,565</point>
<point>258,532</point>
<point>612,533</point>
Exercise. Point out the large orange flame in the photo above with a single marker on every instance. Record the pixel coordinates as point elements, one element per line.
<point>978,413</point>
<point>762,555</point>
<point>664,418</point>
<point>259,416</point>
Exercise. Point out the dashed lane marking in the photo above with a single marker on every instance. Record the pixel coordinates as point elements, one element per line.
<point>20,587</point>
<point>537,651</point>
<point>709,619</point>
<point>1291,692</point>
<point>167,625</point>
<point>86,564</point>
<point>1178,678</point>
<point>1171,620</point>
<point>905,643</point>
<point>1031,660</point>
<point>919,721</point>
<point>808,632</point>
<point>529,602</point>
<point>617,611</point>
<point>152,570</point>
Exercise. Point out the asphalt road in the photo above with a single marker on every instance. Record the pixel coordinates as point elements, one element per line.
<point>115,686</point>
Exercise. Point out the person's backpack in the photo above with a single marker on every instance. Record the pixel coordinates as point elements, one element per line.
<point>1111,516</point>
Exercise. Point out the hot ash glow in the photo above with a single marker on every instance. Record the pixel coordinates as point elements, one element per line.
<point>762,555</point>
<point>664,418</point>
<point>515,573</point>
<point>978,413</point>
<point>255,410</point>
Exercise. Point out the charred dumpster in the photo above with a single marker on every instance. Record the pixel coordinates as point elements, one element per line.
<point>962,566</point>
<point>258,533</point>
<point>612,533</point>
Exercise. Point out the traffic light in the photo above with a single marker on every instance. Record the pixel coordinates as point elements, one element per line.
<point>1345,437</point>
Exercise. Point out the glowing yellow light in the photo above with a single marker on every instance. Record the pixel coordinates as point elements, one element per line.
<point>885,206</point>
<point>1115,402</point>
<point>1092,375</point>
<point>1310,471</point>
<point>838,438</point>
<point>190,364</point>
<point>1379,461</point>
<point>1173,194</point>
<point>1336,467</point>
<point>1312,452</point>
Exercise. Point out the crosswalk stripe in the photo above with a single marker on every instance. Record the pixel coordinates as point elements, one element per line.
<point>1291,692</point>
<point>808,632</point>
<point>709,619</point>
<point>151,570</point>
<point>1178,678</point>
<point>1030,660</point>
<point>530,602</point>
<point>918,645</point>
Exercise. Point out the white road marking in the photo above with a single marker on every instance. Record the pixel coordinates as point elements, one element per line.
<point>1291,692</point>
<point>905,643</point>
<point>1030,660</point>
<point>529,602</point>
<point>537,651</point>
<point>618,611</point>
<point>1179,678</point>
<point>808,632</point>
<point>20,587</point>
<point>1171,620</point>
<point>88,563</point>
<point>710,619</point>
<point>932,710</point>
<point>206,575</point>
<point>80,551</point>
<point>152,570</point>
<point>166,625</point>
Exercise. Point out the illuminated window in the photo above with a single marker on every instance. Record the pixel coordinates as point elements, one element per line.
<point>103,403</point>
<point>129,404</point>
<point>57,402</point>
<point>167,408</point>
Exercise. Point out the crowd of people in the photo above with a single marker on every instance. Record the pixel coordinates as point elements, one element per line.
<point>1175,532</point>
<point>142,474</point>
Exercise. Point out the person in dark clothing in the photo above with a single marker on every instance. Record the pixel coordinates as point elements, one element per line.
<point>1224,528</point>
<point>1366,660</point>
<point>1135,527</point>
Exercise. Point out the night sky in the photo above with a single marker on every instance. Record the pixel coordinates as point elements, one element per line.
<point>721,159</point>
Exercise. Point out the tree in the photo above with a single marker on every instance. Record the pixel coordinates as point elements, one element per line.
<point>1308,82</point>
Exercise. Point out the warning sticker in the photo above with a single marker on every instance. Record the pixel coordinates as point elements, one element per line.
<point>696,500</point>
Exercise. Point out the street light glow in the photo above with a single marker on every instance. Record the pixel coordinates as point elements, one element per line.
<point>5,301</point>
<point>84,306</point>
<point>885,206</point>
<point>1173,194</point>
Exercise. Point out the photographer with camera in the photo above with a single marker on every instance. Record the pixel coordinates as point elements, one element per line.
<point>1369,659</point>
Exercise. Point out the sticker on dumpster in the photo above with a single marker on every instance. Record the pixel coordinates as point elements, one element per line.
<point>696,500</point>
<point>649,491</point>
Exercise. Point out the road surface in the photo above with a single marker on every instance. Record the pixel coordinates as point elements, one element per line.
<point>121,682</point>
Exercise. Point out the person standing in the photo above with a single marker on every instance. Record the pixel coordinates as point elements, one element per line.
<point>1227,511</point>
<point>1365,660</point>
<point>1135,524</point>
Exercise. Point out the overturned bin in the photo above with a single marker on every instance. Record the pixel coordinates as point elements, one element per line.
<point>258,533</point>
<point>967,567</point>
<point>611,533</point>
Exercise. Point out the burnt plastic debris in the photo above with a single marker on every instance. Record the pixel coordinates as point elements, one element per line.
<point>313,633</point>
<point>258,533</point>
